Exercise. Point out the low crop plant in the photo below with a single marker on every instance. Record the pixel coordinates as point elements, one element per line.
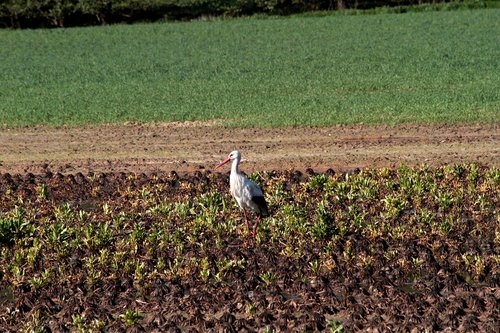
<point>35,322</point>
<point>131,317</point>
<point>58,235</point>
<point>277,194</point>
<point>475,264</point>
<point>342,190</point>
<point>365,260</point>
<point>139,273</point>
<point>348,251</point>
<point>315,266</point>
<point>109,91</point>
<point>33,252</point>
<point>79,322</point>
<point>446,225</point>
<point>39,282</point>
<point>250,309</point>
<point>93,273</point>
<point>212,201</point>
<point>183,209</point>
<point>268,278</point>
<point>204,269</point>
<point>225,266</point>
<point>292,222</point>
<point>42,191</point>
<point>15,227</point>
<point>323,227</point>
<point>96,235</point>
<point>444,200</point>
<point>394,206</point>
<point>317,182</point>
<point>492,176</point>
<point>473,172</point>
<point>335,326</point>
<point>483,204</point>
<point>63,213</point>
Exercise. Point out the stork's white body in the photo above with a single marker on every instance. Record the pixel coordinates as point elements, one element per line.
<point>244,190</point>
<point>248,195</point>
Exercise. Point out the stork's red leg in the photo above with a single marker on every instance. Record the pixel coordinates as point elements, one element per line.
<point>246,220</point>
<point>255,227</point>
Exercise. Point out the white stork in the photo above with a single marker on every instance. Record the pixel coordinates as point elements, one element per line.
<point>245,191</point>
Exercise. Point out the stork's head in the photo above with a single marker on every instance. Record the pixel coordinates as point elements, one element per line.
<point>234,155</point>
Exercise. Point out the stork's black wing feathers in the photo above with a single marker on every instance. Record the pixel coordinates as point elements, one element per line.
<point>262,204</point>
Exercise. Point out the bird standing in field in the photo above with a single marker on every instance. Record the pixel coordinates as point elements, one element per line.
<point>248,195</point>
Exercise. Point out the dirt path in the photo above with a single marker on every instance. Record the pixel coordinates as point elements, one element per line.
<point>186,147</point>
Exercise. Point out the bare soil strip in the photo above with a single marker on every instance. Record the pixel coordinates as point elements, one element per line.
<point>187,147</point>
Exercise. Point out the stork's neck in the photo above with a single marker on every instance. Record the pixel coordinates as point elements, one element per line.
<point>234,166</point>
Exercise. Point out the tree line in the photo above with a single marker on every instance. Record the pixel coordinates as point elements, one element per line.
<point>65,13</point>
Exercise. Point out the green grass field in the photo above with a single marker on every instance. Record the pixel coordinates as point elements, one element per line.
<point>385,68</point>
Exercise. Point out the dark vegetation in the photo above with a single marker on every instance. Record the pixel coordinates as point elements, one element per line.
<point>408,249</point>
<point>65,13</point>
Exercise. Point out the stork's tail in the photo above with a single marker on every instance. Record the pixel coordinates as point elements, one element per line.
<point>262,204</point>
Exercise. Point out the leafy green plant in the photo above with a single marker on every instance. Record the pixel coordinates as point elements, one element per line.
<point>268,278</point>
<point>58,233</point>
<point>251,309</point>
<point>131,317</point>
<point>323,228</point>
<point>315,266</point>
<point>42,191</point>
<point>444,200</point>
<point>277,194</point>
<point>63,213</point>
<point>394,205</point>
<point>317,182</point>
<point>13,228</point>
<point>225,266</point>
<point>446,225</point>
<point>335,326</point>
<point>39,282</point>
<point>184,209</point>
<point>204,269</point>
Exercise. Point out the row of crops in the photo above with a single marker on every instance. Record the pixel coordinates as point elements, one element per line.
<point>386,248</point>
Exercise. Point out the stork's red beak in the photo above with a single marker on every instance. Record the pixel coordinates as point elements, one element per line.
<point>222,162</point>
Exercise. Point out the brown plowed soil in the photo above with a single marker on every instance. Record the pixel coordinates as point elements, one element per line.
<point>409,284</point>
<point>186,147</point>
